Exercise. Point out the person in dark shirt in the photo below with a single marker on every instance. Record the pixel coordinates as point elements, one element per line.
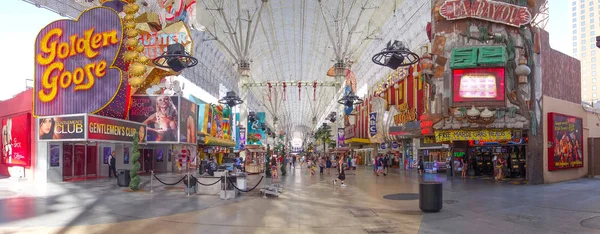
<point>212,167</point>
<point>112,165</point>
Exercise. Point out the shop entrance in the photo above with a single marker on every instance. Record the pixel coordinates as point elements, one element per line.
<point>79,161</point>
<point>483,160</point>
<point>146,159</point>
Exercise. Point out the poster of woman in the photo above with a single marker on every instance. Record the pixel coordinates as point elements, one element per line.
<point>159,113</point>
<point>189,119</point>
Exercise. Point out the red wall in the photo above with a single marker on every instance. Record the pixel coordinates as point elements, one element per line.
<point>20,104</point>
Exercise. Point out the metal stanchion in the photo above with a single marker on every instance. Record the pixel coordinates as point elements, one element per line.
<point>151,178</point>
<point>225,185</point>
<point>188,180</point>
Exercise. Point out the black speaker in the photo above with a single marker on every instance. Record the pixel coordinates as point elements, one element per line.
<point>176,64</point>
<point>176,48</point>
<point>394,61</point>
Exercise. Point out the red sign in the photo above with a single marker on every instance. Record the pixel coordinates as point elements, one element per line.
<point>494,11</point>
<point>16,148</point>
<point>109,129</point>
<point>349,132</point>
<point>565,142</point>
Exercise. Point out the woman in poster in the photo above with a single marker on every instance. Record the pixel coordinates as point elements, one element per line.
<point>164,119</point>
<point>7,141</point>
<point>142,134</point>
<point>47,128</point>
<point>191,125</point>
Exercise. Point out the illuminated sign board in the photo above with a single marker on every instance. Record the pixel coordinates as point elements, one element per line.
<point>483,85</point>
<point>74,59</point>
<point>494,11</point>
<point>565,142</point>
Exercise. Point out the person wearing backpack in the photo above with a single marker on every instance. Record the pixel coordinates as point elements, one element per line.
<point>212,167</point>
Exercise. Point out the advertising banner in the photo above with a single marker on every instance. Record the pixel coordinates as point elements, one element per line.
<point>395,145</point>
<point>62,128</point>
<point>203,111</point>
<point>16,141</point>
<point>160,114</point>
<point>74,60</point>
<point>255,132</point>
<point>477,135</point>
<point>125,155</point>
<point>155,43</point>
<point>240,139</point>
<point>54,155</point>
<point>373,124</point>
<point>114,130</point>
<point>565,146</point>
<point>189,119</point>
<point>341,137</point>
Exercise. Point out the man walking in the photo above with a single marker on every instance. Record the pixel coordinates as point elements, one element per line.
<point>112,167</point>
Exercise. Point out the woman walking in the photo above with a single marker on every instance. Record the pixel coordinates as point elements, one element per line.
<point>342,175</point>
<point>328,164</point>
<point>464,167</point>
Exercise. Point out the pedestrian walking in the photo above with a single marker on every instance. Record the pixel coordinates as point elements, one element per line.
<point>321,165</point>
<point>353,163</point>
<point>342,173</point>
<point>328,164</point>
<point>112,165</point>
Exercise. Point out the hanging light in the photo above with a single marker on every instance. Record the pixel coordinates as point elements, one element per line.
<point>522,70</point>
<point>350,100</point>
<point>395,55</point>
<point>231,99</point>
<point>176,58</point>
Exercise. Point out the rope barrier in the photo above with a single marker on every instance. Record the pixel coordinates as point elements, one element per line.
<point>198,181</point>
<point>245,191</point>
<point>169,183</point>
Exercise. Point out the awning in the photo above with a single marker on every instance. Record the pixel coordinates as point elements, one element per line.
<point>256,150</point>
<point>213,141</point>
<point>358,140</point>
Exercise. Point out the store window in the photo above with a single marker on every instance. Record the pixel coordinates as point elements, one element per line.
<point>594,95</point>
<point>594,88</point>
<point>592,14</point>
<point>593,59</point>
<point>582,23</point>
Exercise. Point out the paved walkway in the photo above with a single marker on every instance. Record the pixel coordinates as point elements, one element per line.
<point>307,205</point>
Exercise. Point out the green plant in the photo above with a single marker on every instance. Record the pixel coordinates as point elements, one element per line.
<point>323,135</point>
<point>268,162</point>
<point>283,168</point>
<point>135,167</point>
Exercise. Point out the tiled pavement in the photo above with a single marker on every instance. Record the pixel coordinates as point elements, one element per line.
<point>309,204</point>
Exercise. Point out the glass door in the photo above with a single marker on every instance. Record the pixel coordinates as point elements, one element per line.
<point>67,169</point>
<point>91,164</point>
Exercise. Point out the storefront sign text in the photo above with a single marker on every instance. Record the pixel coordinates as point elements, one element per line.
<point>155,43</point>
<point>73,64</point>
<point>372,124</point>
<point>465,135</point>
<point>405,115</point>
<point>62,128</point>
<point>494,11</point>
<point>108,129</point>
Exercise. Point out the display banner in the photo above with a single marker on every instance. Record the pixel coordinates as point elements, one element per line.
<point>74,60</point>
<point>203,110</point>
<point>341,137</point>
<point>114,130</point>
<point>373,124</point>
<point>565,146</point>
<point>487,10</point>
<point>465,135</point>
<point>189,119</point>
<point>160,114</point>
<point>240,139</point>
<point>16,140</point>
<point>125,155</point>
<point>62,128</point>
<point>155,43</point>
<point>255,132</point>
<point>54,155</point>
<point>383,146</point>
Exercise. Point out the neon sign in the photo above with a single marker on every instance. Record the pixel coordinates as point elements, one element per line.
<point>74,59</point>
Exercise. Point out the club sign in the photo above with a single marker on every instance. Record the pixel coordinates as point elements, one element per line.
<point>494,11</point>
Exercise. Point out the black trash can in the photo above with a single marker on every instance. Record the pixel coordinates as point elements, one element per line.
<point>430,197</point>
<point>123,178</point>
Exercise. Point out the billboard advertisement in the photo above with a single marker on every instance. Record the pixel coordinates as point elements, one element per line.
<point>160,114</point>
<point>189,119</point>
<point>114,130</point>
<point>62,128</point>
<point>565,136</point>
<point>341,137</point>
<point>255,133</point>
<point>16,141</point>
<point>74,64</point>
<point>240,141</point>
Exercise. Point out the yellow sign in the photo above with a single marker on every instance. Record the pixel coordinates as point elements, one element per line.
<point>406,114</point>
<point>477,135</point>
